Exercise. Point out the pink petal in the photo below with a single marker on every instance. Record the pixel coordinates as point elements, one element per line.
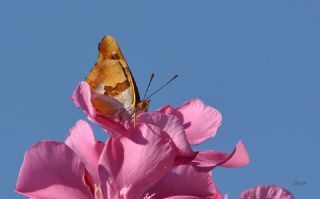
<point>82,99</point>
<point>266,192</point>
<point>133,163</point>
<point>52,170</point>
<point>172,126</point>
<point>185,181</point>
<point>81,140</point>
<point>238,158</point>
<point>210,159</point>
<point>201,122</point>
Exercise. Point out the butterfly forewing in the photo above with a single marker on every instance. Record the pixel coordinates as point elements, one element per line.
<point>112,78</point>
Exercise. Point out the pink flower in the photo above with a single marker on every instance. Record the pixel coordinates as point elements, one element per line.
<point>150,160</point>
<point>265,192</point>
<point>187,125</point>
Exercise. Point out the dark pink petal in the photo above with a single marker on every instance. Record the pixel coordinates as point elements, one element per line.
<point>132,163</point>
<point>266,192</point>
<point>185,181</point>
<point>172,126</point>
<point>200,121</point>
<point>82,99</point>
<point>52,170</point>
<point>81,140</point>
<point>210,159</point>
<point>169,110</point>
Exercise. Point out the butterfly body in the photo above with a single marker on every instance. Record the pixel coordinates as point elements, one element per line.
<point>115,93</point>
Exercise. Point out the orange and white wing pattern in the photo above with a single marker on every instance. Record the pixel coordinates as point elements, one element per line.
<point>112,78</point>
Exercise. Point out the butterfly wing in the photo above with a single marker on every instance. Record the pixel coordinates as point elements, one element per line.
<point>112,78</point>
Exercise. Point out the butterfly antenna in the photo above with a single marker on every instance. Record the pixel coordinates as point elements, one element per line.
<point>145,93</point>
<point>168,82</point>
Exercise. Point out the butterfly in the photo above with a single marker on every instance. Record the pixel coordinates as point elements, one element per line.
<point>114,90</point>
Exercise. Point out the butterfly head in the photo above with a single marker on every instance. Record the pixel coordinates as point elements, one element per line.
<point>142,106</point>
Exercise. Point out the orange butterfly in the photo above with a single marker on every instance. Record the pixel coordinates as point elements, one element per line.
<point>115,93</point>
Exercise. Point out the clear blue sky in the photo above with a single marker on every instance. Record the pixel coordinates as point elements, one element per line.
<point>256,61</point>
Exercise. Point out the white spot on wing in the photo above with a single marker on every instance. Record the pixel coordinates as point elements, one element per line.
<point>126,99</point>
<point>100,88</point>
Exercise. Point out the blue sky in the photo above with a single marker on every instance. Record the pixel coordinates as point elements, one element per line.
<point>255,61</point>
